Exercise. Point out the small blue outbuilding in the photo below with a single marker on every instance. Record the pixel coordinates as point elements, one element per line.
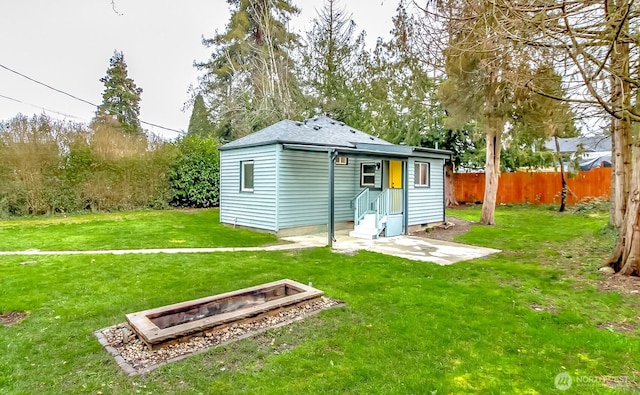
<point>318,175</point>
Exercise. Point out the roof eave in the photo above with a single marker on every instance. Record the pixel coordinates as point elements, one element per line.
<point>424,153</point>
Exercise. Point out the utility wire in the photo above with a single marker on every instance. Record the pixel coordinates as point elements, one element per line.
<point>48,86</point>
<point>74,97</point>
<point>37,106</point>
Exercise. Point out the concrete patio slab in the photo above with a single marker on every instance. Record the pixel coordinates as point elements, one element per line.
<point>408,247</point>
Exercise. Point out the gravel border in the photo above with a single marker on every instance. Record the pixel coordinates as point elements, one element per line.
<point>134,358</point>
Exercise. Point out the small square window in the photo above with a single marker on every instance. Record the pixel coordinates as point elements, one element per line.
<point>342,160</point>
<point>421,174</point>
<point>368,175</point>
<point>246,176</point>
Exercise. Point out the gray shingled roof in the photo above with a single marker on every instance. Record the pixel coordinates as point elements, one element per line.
<point>321,130</point>
<point>589,144</point>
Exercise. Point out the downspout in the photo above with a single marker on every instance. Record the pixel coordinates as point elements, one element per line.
<point>444,194</point>
<point>278,151</point>
<point>405,209</point>
<point>331,209</point>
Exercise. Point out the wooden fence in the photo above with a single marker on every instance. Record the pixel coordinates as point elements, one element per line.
<point>536,188</point>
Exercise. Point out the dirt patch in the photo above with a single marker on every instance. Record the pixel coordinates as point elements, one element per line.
<point>539,308</point>
<point>628,285</point>
<point>12,317</point>
<point>618,326</point>
<point>447,231</point>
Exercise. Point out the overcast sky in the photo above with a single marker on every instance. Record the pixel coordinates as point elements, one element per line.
<point>67,45</point>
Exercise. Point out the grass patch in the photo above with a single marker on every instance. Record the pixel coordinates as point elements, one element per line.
<point>508,323</point>
<point>127,230</point>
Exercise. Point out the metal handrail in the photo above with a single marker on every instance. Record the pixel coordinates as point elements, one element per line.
<point>380,207</point>
<point>357,196</point>
<point>361,205</point>
<point>386,202</point>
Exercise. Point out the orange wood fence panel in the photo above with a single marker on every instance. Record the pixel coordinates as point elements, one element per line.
<point>535,187</point>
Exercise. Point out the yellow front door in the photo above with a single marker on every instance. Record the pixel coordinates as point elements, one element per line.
<point>395,174</point>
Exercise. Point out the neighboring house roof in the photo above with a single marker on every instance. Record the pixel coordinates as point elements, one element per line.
<point>589,144</point>
<point>321,130</point>
<point>602,161</point>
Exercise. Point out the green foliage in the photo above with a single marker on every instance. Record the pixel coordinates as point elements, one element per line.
<point>49,167</point>
<point>538,117</point>
<point>120,98</point>
<point>249,81</point>
<point>592,205</point>
<point>195,175</point>
<point>199,124</point>
<point>331,61</point>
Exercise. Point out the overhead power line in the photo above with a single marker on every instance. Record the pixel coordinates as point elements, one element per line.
<point>48,86</point>
<point>73,97</point>
<point>37,106</point>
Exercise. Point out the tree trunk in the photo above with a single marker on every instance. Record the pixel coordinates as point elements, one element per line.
<point>449,190</point>
<point>493,128</point>
<point>622,147</point>
<point>626,255</point>
<point>563,194</point>
<point>626,172</point>
<point>612,194</point>
<point>621,100</point>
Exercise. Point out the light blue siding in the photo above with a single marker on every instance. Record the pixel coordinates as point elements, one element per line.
<point>291,188</point>
<point>426,205</point>
<point>344,190</point>
<point>304,185</point>
<point>255,209</point>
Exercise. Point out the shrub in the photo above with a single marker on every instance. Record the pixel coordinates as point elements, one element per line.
<point>195,175</point>
<point>49,166</point>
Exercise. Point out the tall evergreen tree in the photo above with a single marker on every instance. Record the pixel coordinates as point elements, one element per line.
<point>331,60</point>
<point>120,98</point>
<point>477,87</point>
<point>249,79</point>
<point>199,124</point>
<point>402,98</point>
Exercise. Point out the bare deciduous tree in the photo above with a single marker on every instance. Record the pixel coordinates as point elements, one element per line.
<point>592,44</point>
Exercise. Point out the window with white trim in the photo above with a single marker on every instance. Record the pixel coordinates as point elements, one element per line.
<point>421,174</point>
<point>368,175</point>
<point>342,160</point>
<point>246,176</point>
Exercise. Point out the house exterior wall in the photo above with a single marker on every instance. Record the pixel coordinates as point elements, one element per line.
<point>356,178</point>
<point>304,186</point>
<point>291,188</point>
<point>257,209</point>
<point>426,204</point>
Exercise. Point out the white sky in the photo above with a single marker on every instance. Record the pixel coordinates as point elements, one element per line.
<point>67,44</point>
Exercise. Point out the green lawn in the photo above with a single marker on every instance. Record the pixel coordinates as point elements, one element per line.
<point>127,230</point>
<point>505,324</point>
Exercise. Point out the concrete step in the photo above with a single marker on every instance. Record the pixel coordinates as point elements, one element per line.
<point>361,235</point>
<point>369,219</point>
